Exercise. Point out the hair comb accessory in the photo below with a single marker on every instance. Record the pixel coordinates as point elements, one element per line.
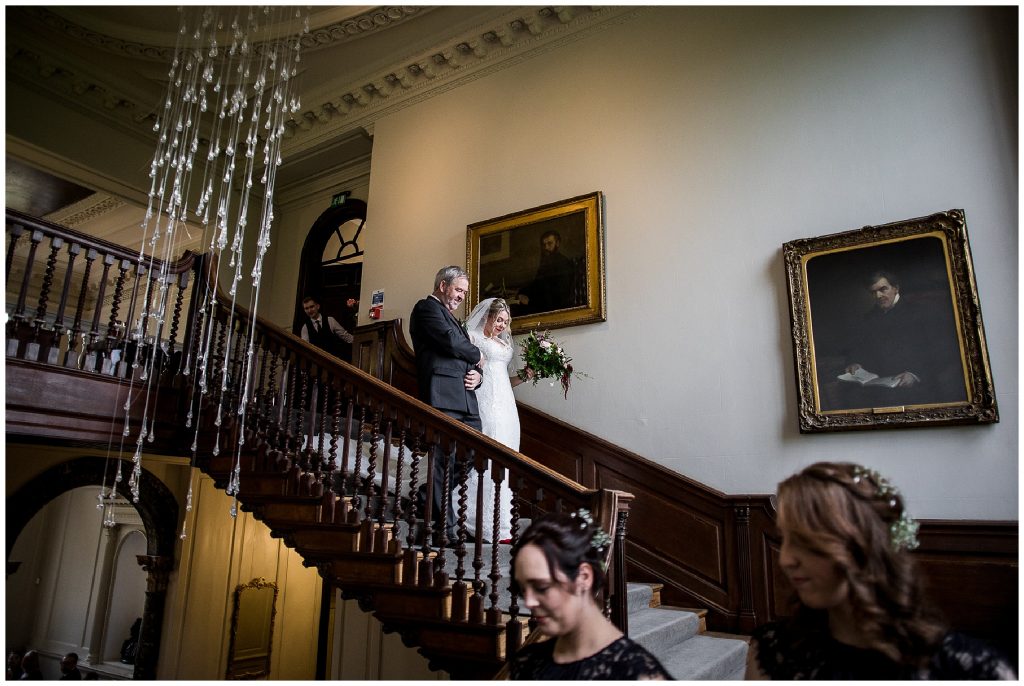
<point>902,532</point>
<point>599,541</point>
<point>583,514</point>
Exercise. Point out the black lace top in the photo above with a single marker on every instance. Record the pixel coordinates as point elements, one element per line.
<point>785,651</point>
<point>621,660</point>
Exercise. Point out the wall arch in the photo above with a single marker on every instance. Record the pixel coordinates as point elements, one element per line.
<point>158,510</point>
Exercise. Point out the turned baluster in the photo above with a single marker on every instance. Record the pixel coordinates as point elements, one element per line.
<point>176,316</point>
<point>371,467</point>
<point>39,322</point>
<point>58,323</point>
<point>330,492</point>
<point>410,556</point>
<point>131,332</point>
<point>476,603</point>
<point>343,478</point>
<point>323,408</point>
<point>357,469</point>
<point>304,459</point>
<point>147,303</point>
<point>300,449</point>
<point>122,272</point>
<point>159,348</point>
<point>220,351</point>
<point>94,330</point>
<point>396,509</point>
<point>414,476</point>
<point>288,411</point>
<point>459,588</point>
<point>382,531</point>
<point>260,394</point>
<point>514,626</point>
<point>56,243</point>
<point>236,380</point>
<point>70,358</point>
<point>425,573</point>
<point>16,231</point>
<point>19,318</point>
<point>112,324</point>
<point>493,613</point>
<point>270,426</point>
<point>440,575</point>
<point>35,239</point>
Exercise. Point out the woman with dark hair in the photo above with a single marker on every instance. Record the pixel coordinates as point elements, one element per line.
<point>861,611</point>
<point>558,567</point>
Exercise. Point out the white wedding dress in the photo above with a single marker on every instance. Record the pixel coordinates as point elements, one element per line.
<point>500,420</point>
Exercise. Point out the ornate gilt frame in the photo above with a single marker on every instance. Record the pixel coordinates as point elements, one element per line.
<point>585,214</point>
<point>950,228</point>
<point>255,668</point>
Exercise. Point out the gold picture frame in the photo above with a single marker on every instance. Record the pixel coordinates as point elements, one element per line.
<point>547,262</point>
<point>897,302</point>
<point>252,630</point>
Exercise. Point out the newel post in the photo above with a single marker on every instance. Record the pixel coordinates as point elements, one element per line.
<point>747,615</point>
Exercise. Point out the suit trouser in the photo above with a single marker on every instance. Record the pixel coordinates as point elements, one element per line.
<point>446,463</point>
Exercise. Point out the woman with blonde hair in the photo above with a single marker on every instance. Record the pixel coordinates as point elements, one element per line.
<point>861,611</point>
<point>490,329</point>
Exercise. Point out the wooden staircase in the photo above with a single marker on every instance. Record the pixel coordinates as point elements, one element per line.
<point>327,456</point>
<point>320,434</point>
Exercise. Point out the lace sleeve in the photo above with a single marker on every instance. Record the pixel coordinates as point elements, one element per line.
<point>963,657</point>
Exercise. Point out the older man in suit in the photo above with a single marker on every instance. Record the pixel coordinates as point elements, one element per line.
<point>448,370</point>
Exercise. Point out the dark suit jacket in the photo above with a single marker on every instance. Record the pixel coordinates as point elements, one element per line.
<point>444,354</point>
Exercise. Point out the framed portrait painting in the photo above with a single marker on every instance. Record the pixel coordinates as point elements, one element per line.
<point>547,262</point>
<point>887,327</point>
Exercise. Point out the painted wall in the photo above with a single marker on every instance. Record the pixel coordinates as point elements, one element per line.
<point>218,553</point>
<point>717,134</point>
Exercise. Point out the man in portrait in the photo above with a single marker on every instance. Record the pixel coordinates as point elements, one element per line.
<point>902,351</point>
<point>552,287</point>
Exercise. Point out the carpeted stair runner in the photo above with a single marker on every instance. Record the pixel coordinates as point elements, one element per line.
<point>671,634</point>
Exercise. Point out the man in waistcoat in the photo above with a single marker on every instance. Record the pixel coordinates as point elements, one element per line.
<point>325,332</point>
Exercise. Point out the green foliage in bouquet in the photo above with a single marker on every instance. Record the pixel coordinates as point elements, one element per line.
<point>547,359</point>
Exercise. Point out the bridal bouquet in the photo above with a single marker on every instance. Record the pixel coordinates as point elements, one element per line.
<point>547,359</point>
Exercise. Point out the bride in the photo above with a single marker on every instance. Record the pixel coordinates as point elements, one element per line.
<point>489,327</point>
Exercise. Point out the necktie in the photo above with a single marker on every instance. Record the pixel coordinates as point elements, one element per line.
<point>316,326</point>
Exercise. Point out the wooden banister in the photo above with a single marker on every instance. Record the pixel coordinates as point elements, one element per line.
<point>327,454</point>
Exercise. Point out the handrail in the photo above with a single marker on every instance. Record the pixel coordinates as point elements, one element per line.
<point>346,444</point>
<point>334,429</point>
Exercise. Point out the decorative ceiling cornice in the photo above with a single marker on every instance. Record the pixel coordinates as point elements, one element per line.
<point>504,41</point>
<point>376,20</point>
<point>93,207</point>
<point>347,104</point>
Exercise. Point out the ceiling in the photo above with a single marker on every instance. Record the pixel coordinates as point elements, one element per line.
<point>359,63</point>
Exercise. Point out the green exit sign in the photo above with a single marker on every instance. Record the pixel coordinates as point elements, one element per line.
<point>339,199</point>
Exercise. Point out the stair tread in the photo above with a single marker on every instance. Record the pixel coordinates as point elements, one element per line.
<point>661,630</point>
<point>707,657</point>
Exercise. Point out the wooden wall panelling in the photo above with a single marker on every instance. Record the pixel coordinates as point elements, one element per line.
<point>721,551</point>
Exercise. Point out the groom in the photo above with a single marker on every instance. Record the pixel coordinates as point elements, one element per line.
<point>448,371</point>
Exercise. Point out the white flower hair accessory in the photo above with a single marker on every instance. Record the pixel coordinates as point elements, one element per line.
<point>599,541</point>
<point>902,532</point>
